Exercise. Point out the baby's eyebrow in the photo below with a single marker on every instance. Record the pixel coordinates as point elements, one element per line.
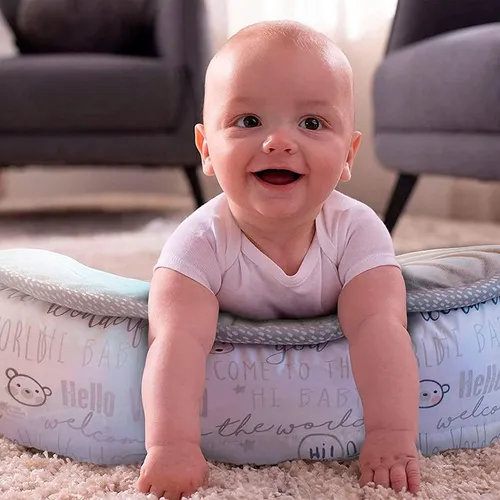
<point>304,103</point>
<point>311,104</point>
<point>317,103</point>
<point>334,111</point>
<point>240,100</point>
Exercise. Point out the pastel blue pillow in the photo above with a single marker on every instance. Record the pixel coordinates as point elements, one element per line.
<point>73,343</point>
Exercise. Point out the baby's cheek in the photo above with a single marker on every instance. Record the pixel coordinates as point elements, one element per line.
<point>39,400</point>
<point>14,391</point>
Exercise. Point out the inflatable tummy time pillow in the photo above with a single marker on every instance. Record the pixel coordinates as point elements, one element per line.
<point>73,344</point>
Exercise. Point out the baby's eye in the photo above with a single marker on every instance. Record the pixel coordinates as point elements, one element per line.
<point>248,121</point>
<point>311,123</point>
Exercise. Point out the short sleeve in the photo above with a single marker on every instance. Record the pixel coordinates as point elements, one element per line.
<point>191,251</point>
<point>364,243</point>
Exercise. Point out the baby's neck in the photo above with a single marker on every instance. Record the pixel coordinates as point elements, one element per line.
<point>285,242</point>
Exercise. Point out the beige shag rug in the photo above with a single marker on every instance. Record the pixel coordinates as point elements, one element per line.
<point>128,245</point>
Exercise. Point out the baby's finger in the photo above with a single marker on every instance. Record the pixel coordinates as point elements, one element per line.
<point>159,493</point>
<point>398,477</point>
<point>143,484</point>
<point>206,479</point>
<point>188,492</point>
<point>413,476</point>
<point>381,477</point>
<point>366,476</point>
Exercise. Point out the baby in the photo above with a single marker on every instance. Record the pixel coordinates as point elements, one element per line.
<point>279,242</point>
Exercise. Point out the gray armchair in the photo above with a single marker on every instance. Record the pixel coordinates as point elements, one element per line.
<point>437,94</point>
<point>136,108</point>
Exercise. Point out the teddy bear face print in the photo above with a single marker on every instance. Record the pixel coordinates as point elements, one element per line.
<point>25,389</point>
<point>432,393</point>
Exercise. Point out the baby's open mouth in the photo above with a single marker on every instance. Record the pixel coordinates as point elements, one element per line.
<point>278,177</point>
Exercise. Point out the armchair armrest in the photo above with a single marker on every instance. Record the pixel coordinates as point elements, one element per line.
<point>417,20</point>
<point>181,33</point>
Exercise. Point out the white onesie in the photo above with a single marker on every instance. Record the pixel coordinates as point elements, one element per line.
<point>209,247</point>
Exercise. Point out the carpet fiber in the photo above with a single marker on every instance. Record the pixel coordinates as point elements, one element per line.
<point>128,245</point>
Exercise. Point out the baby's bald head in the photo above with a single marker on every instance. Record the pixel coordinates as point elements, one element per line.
<point>287,32</point>
<point>255,40</point>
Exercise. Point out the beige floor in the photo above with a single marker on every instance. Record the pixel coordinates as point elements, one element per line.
<point>129,244</point>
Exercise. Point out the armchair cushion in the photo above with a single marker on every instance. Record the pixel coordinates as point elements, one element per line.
<point>111,26</point>
<point>88,94</point>
<point>447,83</point>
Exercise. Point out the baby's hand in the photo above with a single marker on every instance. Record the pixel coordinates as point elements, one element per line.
<point>390,459</point>
<point>173,471</point>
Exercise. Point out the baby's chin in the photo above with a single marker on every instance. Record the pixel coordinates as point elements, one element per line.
<point>275,212</point>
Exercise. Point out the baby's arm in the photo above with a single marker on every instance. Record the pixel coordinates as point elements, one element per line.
<point>372,313</point>
<point>182,321</point>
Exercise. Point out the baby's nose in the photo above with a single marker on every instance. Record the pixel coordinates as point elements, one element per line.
<point>280,141</point>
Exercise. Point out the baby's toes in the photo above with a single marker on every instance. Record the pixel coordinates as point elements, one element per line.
<point>398,477</point>
<point>366,476</point>
<point>413,474</point>
<point>381,477</point>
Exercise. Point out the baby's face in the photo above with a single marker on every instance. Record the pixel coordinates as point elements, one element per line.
<point>278,128</point>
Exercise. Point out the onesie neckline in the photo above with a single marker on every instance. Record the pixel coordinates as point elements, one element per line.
<point>264,262</point>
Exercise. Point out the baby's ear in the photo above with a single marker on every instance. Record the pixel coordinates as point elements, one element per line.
<point>347,170</point>
<point>202,145</point>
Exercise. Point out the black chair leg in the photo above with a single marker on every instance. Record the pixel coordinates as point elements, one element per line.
<point>191,172</point>
<point>399,199</point>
